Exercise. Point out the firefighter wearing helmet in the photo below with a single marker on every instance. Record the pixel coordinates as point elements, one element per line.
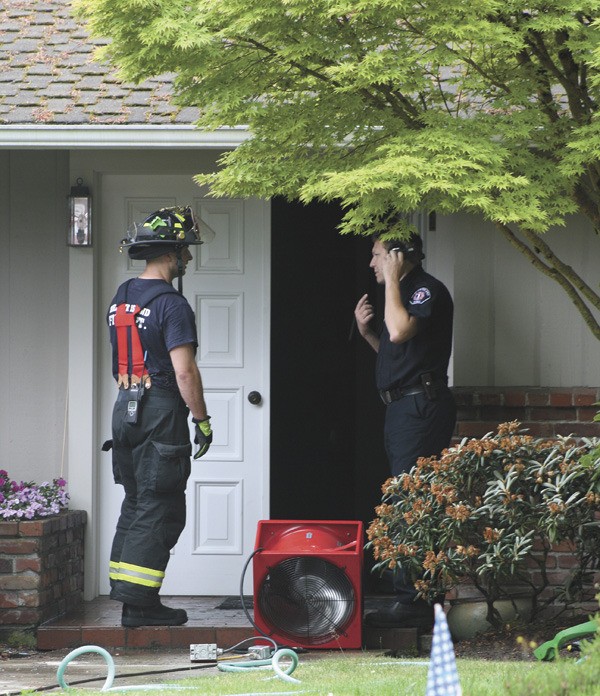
<point>153,336</point>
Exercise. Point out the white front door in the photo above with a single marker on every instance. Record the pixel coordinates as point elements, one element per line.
<point>228,286</point>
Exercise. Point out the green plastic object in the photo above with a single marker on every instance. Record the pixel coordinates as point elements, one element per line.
<point>549,650</point>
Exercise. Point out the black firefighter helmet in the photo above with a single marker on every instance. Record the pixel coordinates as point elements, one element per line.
<point>168,230</point>
<point>162,232</point>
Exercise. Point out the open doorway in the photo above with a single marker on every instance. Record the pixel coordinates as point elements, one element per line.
<point>327,456</point>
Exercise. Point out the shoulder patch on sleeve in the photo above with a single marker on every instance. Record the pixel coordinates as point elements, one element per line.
<point>420,296</point>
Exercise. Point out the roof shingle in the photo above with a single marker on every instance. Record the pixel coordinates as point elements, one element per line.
<point>48,75</point>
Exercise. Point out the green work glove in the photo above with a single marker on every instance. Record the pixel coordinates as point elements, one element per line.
<point>203,436</point>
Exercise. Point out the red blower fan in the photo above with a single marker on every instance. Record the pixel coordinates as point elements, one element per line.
<point>307,582</point>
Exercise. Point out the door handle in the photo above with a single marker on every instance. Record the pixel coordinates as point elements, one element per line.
<point>254,398</point>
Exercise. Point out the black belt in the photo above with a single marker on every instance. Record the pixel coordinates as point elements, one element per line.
<point>389,395</point>
<point>155,396</point>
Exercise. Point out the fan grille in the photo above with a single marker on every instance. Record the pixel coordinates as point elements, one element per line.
<point>307,599</point>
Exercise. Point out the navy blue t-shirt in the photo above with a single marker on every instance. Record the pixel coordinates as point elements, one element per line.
<point>402,364</point>
<point>166,323</point>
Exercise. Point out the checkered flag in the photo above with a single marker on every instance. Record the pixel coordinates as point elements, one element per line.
<point>442,678</point>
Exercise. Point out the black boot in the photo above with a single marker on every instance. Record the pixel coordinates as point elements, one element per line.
<point>155,615</point>
<point>397,615</point>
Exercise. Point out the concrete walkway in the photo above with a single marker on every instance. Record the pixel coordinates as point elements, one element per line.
<point>151,655</point>
<point>38,671</point>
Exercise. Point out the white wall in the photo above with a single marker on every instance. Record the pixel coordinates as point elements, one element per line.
<point>33,313</point>
<point>513,325</point>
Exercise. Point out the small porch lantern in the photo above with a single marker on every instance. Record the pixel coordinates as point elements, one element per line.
<point>80,216</point>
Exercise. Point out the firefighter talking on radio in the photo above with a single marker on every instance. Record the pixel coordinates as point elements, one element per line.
<point>413,350</point>
<point>153,336</point>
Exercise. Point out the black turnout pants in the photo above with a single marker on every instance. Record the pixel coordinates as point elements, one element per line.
<point>151,460</point>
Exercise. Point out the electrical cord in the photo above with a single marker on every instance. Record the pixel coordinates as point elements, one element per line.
<point>250,640</point>
<point>279,650</point>
<point>90,680</point>
<point>274,663</point>
<point>250,619</point>
<point>111,671</point>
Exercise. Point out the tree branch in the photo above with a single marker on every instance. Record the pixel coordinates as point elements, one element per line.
<point>537,45</point>
<point>585,196</point>
<point>467,60</point>
<point>558,271</point>
<point>398,103</point>
<point>572,71</point>
<point>544,89</point>
<point>565,270</point>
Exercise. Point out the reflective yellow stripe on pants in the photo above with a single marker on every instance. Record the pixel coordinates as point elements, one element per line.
<point>137,575</point>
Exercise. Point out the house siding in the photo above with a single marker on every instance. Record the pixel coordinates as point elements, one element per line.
<point>34,273</point>
<point>514,325</point>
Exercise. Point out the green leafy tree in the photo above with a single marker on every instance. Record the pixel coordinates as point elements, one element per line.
<point>487,107</point>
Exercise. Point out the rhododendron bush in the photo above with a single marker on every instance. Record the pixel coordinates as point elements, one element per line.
<point>490,510</point>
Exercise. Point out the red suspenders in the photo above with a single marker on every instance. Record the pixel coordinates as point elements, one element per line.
<point>128,336</point>
<point>130,353</point>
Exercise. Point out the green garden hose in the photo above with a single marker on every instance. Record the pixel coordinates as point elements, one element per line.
<point>110,677</point>
<point>80,651</point>
<point>272,662</point>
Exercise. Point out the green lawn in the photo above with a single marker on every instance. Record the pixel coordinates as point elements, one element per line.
<point>373,675</point>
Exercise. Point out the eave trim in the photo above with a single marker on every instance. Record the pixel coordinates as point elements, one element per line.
<point>32,137</point>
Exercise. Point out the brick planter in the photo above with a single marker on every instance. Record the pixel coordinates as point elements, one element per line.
<point>544,411</point>
<point>41,569</point>
<point>559,563</point>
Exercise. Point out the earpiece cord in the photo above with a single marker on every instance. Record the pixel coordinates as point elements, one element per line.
<point>179,272</point>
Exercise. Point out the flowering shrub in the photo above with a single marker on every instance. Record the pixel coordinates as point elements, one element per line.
<point>490,510</point>
<point>594,453</point>
<point>30,501</point>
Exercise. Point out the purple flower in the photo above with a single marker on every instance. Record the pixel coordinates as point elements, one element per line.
<point>31,501</point>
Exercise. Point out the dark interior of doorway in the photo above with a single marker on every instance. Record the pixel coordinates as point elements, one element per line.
<point>327,457</point>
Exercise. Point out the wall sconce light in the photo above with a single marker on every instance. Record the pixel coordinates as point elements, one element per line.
<point>80,216</point>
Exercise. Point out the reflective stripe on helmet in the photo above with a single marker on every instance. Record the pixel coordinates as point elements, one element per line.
<point>177,225</point>
<point>155,222</point>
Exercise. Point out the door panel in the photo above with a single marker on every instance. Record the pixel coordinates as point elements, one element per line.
<point>227,285</point>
